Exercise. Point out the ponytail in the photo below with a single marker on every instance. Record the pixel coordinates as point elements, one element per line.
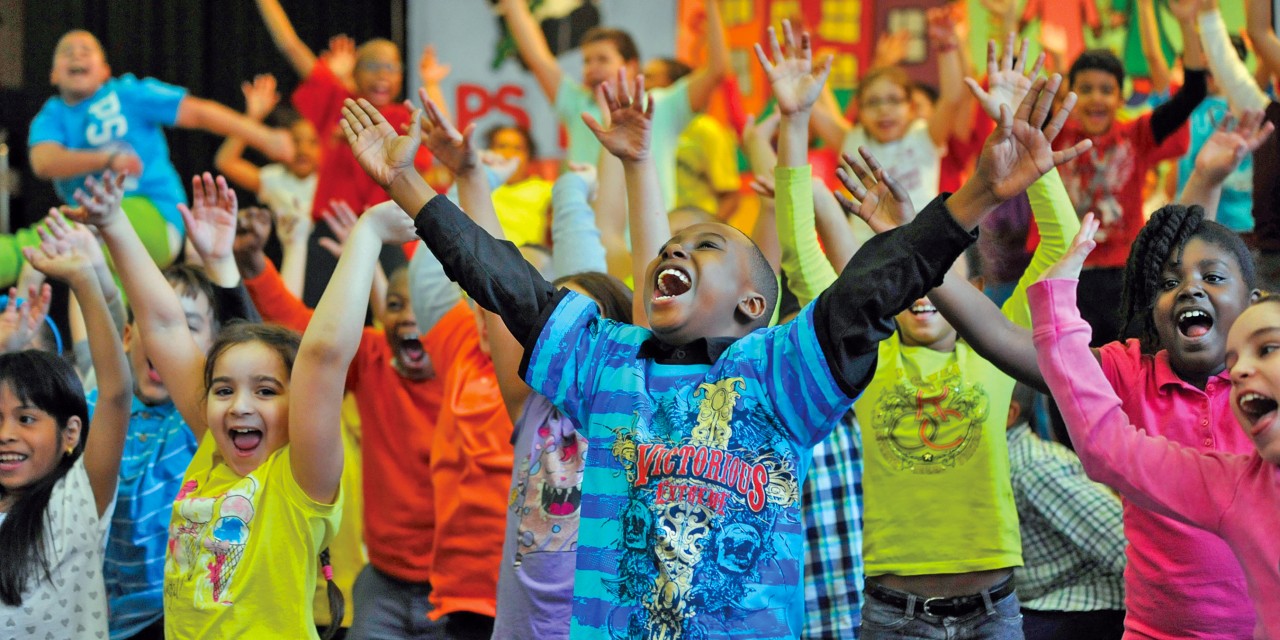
<point>337,604</point>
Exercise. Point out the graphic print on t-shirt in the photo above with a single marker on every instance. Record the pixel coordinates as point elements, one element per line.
<point>209,544</point>
<point>933,424</point>
<point>701,507</point>
<point>548,493</point>
<point>1095,180</point>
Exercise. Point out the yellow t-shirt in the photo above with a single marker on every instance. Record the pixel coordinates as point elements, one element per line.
<point>522,210</point>
<point>243,551</point>
<point>706,164</point>
<point>936,483</point>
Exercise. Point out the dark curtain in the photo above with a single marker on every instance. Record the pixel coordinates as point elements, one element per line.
<point>206,46</point>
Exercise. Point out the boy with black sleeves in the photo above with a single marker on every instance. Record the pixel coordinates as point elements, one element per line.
<point>701,427</point>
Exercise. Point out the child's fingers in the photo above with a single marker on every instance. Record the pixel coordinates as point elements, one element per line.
<point>1024,109</point>
<point>849,206</point>
<point>1067,155</point>
<point>639,95</point>
<point>332,246</point>
<point>1020,65</point>
<point>11,304</point>
<point>806,46</point>
<point>366,113</point>
<point>197,190</point>
<point>1038,67</point>
<point>1060,118</point>
<point>764,60</point>
<point>900,194</point>
<point>774,46</point>
<point>1006,58</point>
<point>992,66</point>
<point>852,185</point>
<point>1044,102</point>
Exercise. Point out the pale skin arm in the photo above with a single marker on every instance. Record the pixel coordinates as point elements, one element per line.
<point>342,219</point>
<point>156,308</point>
<point>532,46</point>
<point>1148,30</point>
<point>1186,12</point>
<point>611,215</point>
<point>704,80</point>
<point>286,38</point>
<point>627,137</point>
<point>81,240</point>
<point>951,72</point>
<point>105,444</point>
<point>319,374</point>
<point>293,228</point>
<point>1220,155</point>
<point>1262,34</point>
<point>50,161</point>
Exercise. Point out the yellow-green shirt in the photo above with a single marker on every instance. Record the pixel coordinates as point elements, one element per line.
<point>706,164</point>
<point>936,486</point>
<point>522,210</point>
<point>243,551</point>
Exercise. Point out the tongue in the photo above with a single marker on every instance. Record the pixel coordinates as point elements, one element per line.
<point>1197,330</point>
<point>153,375</point>
<point>246,441</point>
<point>412,350</point>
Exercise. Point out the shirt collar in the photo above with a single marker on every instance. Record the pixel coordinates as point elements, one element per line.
<point>700,351</point>
<point>162,410</point>
<point>1166,377</point>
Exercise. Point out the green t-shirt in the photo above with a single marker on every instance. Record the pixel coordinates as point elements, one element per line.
<point>671,114</point>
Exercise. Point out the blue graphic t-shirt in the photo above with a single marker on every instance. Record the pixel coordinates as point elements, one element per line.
<point>690,512</point>
<point>126,114</point>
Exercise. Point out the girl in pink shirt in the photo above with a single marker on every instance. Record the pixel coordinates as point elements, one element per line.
<point>1235,497</point>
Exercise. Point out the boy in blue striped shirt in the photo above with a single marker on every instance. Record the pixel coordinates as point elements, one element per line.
<point>701,426</point>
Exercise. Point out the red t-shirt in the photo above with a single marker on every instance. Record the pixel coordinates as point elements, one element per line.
<point>471,464</point>
<point>398,418</point>
<point>1108,180</point>
<point>319,100</point>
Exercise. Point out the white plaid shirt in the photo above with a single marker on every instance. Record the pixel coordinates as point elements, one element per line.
<point>833,569</point>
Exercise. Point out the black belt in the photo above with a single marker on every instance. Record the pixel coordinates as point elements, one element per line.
<point>942,607</point>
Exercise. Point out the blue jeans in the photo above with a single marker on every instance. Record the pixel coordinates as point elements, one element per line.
<point>1000,620</point>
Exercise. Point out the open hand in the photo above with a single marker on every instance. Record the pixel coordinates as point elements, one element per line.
<point>1070,264</point>
<point>340,57</point>
<point>589,175</point>
<point>79,237</point>
<point>19,323</point>
<point>341,219</point>
<point>99,201</point>
<point>891,49</point>
<point>501,166</point>
<point>1184,10</point>
<point>796,83</point>
<point>452,148</point>
<point>391,224</point>
<point>757,142</point>
<point>293,225</point>
<point>1007,81</point>
<point>381,152</point>
<point>211,219</point>
<point>260,96</point>
<point>58,257</point>
<point>877,198</point>
<point>1229,144</point>
<point>629,123</point>
<point>1020,149</point>
<point>431,70</point>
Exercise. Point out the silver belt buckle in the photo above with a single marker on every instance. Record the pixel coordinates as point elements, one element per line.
<point>925,606</point>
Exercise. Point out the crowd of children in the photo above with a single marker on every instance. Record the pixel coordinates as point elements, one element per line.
<point>592,407</point>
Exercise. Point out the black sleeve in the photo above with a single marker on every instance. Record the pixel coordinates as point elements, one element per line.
<point>1170,116</point>
<point>891,271</point>
<point>491,271</point>
<point>234,303</point>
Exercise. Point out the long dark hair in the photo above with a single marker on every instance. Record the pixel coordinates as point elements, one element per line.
<point>613,297</point>
<point>49,383</point>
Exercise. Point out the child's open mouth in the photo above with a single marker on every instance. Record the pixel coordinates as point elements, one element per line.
<point>152,374</point>
<point>671,283</point>
<point>246,440</point>
<point>1259,409</point>
<point>1194,323</point>
<point>10,461</point>
<point>412,354</point>
<point>923,310</point>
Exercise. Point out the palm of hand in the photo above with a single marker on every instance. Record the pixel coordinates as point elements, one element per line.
<point>794,85</point>
<point>452,151</point>
<point>383,154</point>
<point>1221,153</point>
<point>1015,162</point>
<point>628,135</point>
<point>881,211</point>
<point>214,230</point>
<point>1007,87</point>
<point>61,262</point>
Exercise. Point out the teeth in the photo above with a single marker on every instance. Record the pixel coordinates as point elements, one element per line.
<point>243,431</point>
<point>674,272</point>
<point>12,457</point>
<point>923,308</point>
<point>1192,313</point>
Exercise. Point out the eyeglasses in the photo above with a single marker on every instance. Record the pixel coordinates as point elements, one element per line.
<point>876,103</point>
<point>375,67</point>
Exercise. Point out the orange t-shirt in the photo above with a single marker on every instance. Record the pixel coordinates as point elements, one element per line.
<point>398,418</point>
<point>471,473</point>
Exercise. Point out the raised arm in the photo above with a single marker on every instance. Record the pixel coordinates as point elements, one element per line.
<point>573,224</point>
<point>61,260</point>
<point>704,80</point>
<point>532,45</point>
<point>260,98</point>
<point>342,220</point>
<point>492,272</point>
<point>211,227</point>
<point>286,38</point>
<point>951,73</point>
<point>51,160</point>
<point>1167,118</point>
<point>207,115</point>
<point>1220,155</point>
<point>320,371</point>
<point>627,137</point>
<point>1228,70</point>
<point>82,241</point>
<point>1149,35</point>
<point>1262,33</point>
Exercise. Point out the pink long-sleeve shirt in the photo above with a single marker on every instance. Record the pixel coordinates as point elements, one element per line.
<point>1235,497</point>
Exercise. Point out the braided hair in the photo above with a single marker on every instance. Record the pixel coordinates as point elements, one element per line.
<point>1164,236</point>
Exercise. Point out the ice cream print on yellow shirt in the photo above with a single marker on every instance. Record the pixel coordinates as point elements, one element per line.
<point>207,541</point>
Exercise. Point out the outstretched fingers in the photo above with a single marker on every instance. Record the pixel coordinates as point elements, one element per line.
<point>1059,120</point>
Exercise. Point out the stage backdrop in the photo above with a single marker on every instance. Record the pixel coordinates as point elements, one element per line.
<point>488,84</point>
